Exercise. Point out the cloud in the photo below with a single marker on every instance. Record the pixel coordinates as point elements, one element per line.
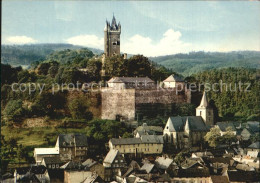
<point>20,40</point>
<point>170,43</point>
<point>87,40</point>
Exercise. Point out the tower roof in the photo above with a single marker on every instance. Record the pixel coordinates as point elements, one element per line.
<point>204,100</point>
<point>113,26</point>
<point>187,125</point>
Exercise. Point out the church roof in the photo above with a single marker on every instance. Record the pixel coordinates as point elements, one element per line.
<point>177,124</point>
<point>204,100</point>
<point>174,78</point>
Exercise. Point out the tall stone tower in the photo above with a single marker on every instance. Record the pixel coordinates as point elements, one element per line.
<point>205,111</point>
<point>112,38</point>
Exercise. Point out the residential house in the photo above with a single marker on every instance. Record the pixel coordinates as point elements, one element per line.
<point>146,144</point>
<point>205,154</point>
<point>254,147</point>
<point>81,176</point>
<point>31,174</point>
<point>251,129</point>
<point>224,125</point>
<point>40,153</point>
<point>94,166</point>
<point>68,147</point>
<point>113,162</point>
<point>174,81</point>
<point>52,162</point>
<point>144,129</point>
<point>72,147</point>
<point>165,163</point>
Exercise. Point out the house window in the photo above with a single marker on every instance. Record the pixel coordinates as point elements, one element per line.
<point>200,113</point>
<point>57,165</point>
<point>116,161</point>
<point>49,166</point>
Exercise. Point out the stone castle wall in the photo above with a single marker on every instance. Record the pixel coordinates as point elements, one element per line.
<point>118,102</point>
<point>128,103</point>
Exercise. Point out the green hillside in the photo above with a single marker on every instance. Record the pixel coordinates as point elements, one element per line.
<point>194,62</point>
<point>24,55</point>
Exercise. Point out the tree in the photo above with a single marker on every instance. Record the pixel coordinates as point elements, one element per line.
<point>43,68</point>
<point>79,108</point>
<point>138,65</point>
<point>14,110</point>
<point>94,68</point>
<point>213,137</point>
<point>228,136</point>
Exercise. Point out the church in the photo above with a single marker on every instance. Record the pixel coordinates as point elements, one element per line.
<point>189,131</point>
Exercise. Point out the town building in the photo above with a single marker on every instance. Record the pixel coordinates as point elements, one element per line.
<point>146,144</point>
<point>144,129</point>
<point>68,147</point>
<point>113,162</point>
<point>52,162</point>
<point>223,126</point>
<point>174,81</point>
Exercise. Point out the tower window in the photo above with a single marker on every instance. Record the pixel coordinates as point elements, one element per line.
<point>200,113</point>
<point>114,43</point>
<point>118,42</point>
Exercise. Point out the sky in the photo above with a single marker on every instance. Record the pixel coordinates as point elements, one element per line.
<point>150,28</point>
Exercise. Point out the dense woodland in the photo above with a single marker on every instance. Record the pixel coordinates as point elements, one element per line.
<point>194,62</point>
<point>62,110</point>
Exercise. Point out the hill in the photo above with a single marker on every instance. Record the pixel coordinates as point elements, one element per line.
<point>194,62</point>
<point>24,55</point>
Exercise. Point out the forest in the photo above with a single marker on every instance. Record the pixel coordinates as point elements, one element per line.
<point>194,62</point>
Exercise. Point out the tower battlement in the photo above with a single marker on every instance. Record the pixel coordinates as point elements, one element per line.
<point>112,33</point>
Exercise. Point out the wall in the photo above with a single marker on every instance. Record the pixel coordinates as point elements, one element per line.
<point>130,102</point>
<point>118,102</point>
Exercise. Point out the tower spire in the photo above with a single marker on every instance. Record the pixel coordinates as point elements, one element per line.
<point>204,100</point>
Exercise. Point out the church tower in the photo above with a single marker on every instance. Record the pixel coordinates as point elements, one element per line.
<point>112,38</point>
<point>205,111</point>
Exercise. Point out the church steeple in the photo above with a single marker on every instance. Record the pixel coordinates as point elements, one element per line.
<point>204,100</point>
<point>205,111</point>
